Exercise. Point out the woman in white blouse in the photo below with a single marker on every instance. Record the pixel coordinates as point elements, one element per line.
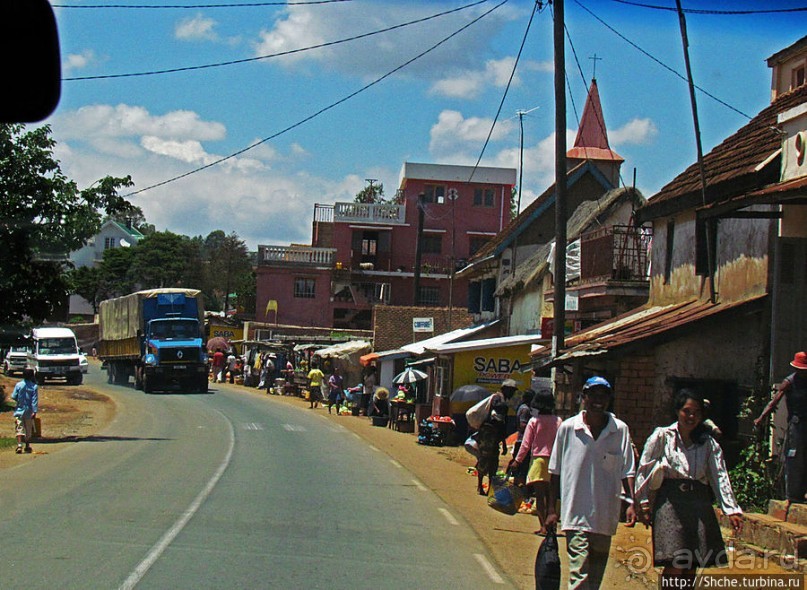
<point>679,465</point>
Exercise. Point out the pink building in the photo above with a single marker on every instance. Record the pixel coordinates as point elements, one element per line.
<point>363,254</point>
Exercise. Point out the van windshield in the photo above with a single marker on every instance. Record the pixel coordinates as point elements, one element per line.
<point>57,346</point>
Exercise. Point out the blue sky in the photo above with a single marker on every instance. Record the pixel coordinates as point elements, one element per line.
<point>437,109</point>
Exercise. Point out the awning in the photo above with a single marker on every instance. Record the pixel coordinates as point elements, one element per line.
<point>643,323</point>
<point>344,349</point>
<point>418,348</point>
<point>487,343</point>
<point>368,358</point>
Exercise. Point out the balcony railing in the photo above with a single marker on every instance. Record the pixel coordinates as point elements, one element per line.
<point>619,252</point>
<point>296,255</point>
<point>370,212</point>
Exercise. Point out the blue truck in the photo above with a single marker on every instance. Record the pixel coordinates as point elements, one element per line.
<point>154,336</point>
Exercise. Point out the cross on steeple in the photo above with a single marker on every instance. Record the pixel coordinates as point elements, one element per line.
<point>595,59</point>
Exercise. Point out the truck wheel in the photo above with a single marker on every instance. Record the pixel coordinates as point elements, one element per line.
<point>121,375</point>
<point>203,384</point>
<point>148,386</point>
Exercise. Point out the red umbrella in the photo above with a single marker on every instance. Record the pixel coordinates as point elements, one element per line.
<point>217,342</point>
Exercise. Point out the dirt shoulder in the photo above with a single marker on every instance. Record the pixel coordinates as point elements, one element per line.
<point>68,414</point>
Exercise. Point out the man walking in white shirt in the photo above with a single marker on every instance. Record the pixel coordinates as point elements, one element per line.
<point>592,463</point>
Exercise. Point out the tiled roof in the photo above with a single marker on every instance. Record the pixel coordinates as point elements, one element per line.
<point>744,161</point>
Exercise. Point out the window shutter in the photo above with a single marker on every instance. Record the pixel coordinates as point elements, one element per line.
<point>474,297</point>
<point>488,300</point>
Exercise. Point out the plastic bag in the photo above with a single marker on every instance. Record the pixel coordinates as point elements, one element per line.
<point>547,563</point>
<point>472,445</point>
<point>506,497</point>
<point>479,412</point>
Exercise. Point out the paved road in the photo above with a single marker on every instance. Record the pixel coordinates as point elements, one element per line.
<point>227,491</point>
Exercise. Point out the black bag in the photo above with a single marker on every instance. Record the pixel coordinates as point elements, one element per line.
<point>547,563</point>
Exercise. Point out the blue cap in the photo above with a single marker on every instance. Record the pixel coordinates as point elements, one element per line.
<point>596,382</point>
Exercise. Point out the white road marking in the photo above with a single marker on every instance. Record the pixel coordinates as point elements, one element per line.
<point>294,428</point>
<point>161,545</point>
<point>253,426</point>
<point>489,569</point>
<point>419,485</point>
<point>372,448</point>
<point>356,435</point>
<point>394,462</point>
<point>449,517</point>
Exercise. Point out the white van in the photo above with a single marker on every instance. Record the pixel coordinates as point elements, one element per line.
<point>54,354</point>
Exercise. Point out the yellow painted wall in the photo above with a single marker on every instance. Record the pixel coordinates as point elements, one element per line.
<point>490,366</point>
<point>228,332</point>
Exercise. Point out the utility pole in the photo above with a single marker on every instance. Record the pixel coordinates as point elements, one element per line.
<point>558,335</point>
<point>702,169</point>
<point>419,248</point>
<point>370,182</point>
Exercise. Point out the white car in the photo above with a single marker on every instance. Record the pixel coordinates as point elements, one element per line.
<point>16,360</point>
<point>83,363</point>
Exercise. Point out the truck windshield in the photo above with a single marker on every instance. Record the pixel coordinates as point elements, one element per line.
<point>57,346</point>
<point>178,329</point>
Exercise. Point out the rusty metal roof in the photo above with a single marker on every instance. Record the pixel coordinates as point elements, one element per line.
<point>645,322</point>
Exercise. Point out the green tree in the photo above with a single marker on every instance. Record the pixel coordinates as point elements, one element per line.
<point>45,217</point>
<point>86,281</point>
<point>165,259</point>
<point>372,193</point>
<point>114,273</point>
<point>228,263</point>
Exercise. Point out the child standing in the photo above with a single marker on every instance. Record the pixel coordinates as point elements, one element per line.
<point>26,394</point>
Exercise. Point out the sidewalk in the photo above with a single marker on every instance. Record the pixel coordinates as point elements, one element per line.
<point>510,539</point>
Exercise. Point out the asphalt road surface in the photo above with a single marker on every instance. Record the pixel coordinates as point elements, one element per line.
<point>227,491</point>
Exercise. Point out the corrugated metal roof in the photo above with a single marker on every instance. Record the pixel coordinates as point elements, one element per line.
<point>418,348</point>
<point>643,323</point>
<point>486,343</point>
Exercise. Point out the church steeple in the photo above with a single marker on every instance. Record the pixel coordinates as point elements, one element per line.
<point>592,139</point>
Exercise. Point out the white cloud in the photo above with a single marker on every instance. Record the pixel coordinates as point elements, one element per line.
<point>635,131</point>
<point>496,73</point>
<point>305,26</point>
<point>197,28</point>
<point>78,61</point>
<point>454,133</point>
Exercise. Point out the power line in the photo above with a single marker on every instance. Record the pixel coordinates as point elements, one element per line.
<point>661,63</point>
<point>198,6</point>
<point>279,54</point>
<point>535,8</point>
<point>327,108</point>
<point>714,12</point>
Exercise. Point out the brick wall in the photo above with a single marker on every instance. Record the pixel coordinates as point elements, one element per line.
<point>392,324</point>
<point>636,402</point>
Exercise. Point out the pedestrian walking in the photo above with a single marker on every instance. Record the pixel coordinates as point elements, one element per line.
<point>315,380</point>
<point>523,416</point>
<point>368,383</point>
<point>26,394</point>
<point>591,463</point>
<point>794,390</point>
<point>218,365</point>
<point>681,467</point>
<point>535,450</point>
<point>491,436</point>
<point>231,367</point>
<point>335,385</point>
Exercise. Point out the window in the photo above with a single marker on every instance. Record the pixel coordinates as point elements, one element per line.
<point>431,244</point>
<point>668,255</point>
<point>369,247</point>
<point>434,193</point>
<point>488,299</point>
<point>429,296</point>
<point>109,243</point>
<point>483,197</point>
<point>798,77</point>
<point>476,244</point>
<point>474,297</point>
<point>304,288</point>
<point>705,244</point>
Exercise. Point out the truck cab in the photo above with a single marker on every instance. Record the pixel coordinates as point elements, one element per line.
<point>54,354</point>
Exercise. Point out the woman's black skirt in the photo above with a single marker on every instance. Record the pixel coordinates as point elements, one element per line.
<point>686,533</point>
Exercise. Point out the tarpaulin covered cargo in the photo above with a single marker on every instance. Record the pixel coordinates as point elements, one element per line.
<point>122,317</point>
